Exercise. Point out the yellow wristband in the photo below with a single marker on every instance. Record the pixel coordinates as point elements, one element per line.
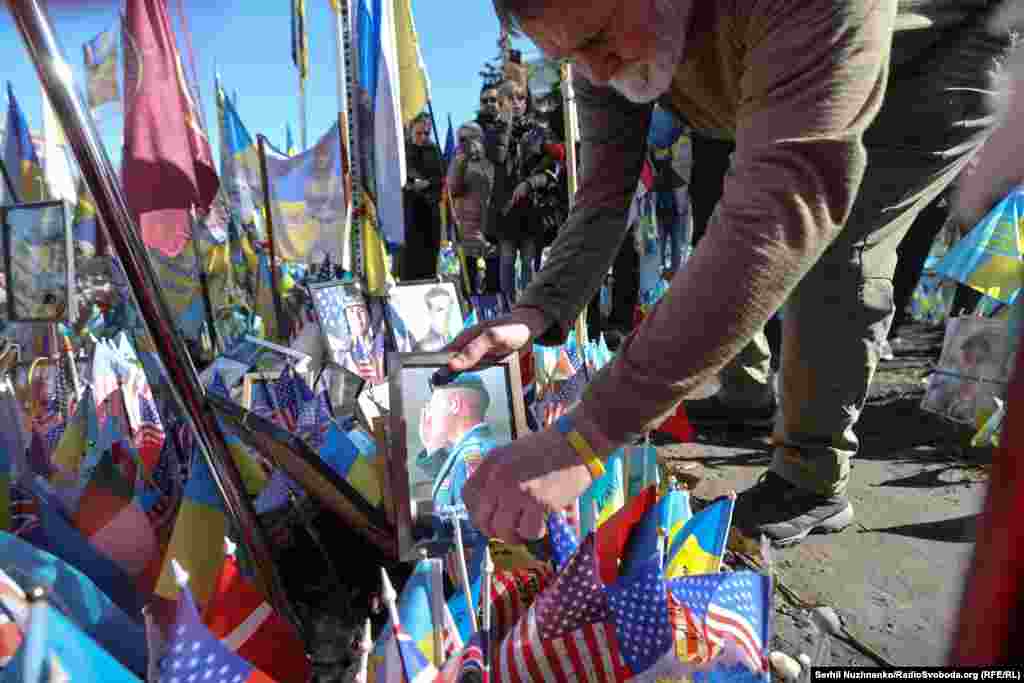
<point>582,447</point>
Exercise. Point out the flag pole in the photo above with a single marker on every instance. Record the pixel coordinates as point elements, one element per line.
<point>339,8</point>
<point>281,324</point>
<point>351,111</point>
<point>572,134</point>
<point>184,386</point>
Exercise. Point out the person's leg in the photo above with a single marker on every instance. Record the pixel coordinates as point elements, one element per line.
<point>625,285</point>
<point>746,397</point>
<point>507,251</point>
<point>528,253</point>
<point>839,315</point>
<point>912,254</point>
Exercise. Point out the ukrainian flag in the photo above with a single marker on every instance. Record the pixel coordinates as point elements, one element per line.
<point>670,513</point>
<point>990,258</point>
<point>414,613</point>
<point>20,156</point>
<point>607,495</point>
<point>699,544</point>
<point>352,463</point>
<point>197,541</point>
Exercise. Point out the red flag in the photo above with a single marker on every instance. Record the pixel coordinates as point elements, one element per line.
<point>678,426</point>
<point>991,607</point>
<point>241,618</point>
<point>613,535</point>
<point>168,166</point>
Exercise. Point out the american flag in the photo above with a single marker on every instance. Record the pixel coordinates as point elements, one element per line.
<point>512,593</point>
<point>639,606</point>
<point>194,654</point>
<point>566,634</point>
<point>289,399</point>
<point>563,539</point>
<point>24,511</point>
<point>149,437</point>
<point>733,607</point>
<point>467,665</point>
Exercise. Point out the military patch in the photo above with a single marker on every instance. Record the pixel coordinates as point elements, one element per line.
<point>472,460</point>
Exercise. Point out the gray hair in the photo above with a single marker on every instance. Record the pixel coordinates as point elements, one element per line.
<point>512,12</point>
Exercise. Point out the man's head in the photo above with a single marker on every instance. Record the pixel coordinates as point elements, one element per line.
<point>471,139</point>
<point>632,45</point>
<point>489,101</point>
<point>512,98</point>
<point>439,304</point>
<point>358,317</point>
<point>453,410</point>
<point>421,130</point>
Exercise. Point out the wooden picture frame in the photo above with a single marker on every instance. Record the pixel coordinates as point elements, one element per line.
<point>504,413</point>
<point>48,223</point>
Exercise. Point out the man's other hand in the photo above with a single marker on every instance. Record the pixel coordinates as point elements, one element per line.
<point>496,339</point>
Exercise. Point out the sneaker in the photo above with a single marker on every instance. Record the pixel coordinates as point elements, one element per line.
<point>713,412</point>
<point>787,514</point>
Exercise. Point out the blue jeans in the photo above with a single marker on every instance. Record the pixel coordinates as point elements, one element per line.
<point>677,232</point>
<point>526,249</point>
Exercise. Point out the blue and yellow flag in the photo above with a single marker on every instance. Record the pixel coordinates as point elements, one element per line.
<point>240,168</point>
<point>289,142</point>
<point>100,56</point>
<point>20,158</point>
<point>990,258</point>
<point>698,546</point>
<point>670,514</point>
<point>605,497</point>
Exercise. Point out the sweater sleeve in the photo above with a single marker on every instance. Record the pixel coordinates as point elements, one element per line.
<point>813,80</point>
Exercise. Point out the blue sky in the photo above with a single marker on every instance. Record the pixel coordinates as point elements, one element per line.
<point>252,50</point>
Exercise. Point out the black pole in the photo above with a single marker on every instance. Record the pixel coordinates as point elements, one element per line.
<point>282,325</point>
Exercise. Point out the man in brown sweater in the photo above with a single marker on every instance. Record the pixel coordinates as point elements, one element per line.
<point>823,184</point>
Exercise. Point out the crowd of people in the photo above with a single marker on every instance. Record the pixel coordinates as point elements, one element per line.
<point>507,189</point>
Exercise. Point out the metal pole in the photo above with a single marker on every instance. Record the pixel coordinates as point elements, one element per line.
<point>302,113</point>
<point>572,134</point>
<point>36,30</point>
<point>345,21</point>
<point>344,131</point>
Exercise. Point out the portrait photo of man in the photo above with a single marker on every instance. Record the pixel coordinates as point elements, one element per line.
<point>438,301</point>
<point>456,436</point>
<point>366,353</point>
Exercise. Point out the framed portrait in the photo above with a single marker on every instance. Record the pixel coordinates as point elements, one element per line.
<point>353,327</point>
<point>438,435</point>
<point>973,368</point>
<point>250,354</point>
<point>39,262</point>
<point>426,315</point>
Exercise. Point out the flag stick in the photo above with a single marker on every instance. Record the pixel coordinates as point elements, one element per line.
<point>460,551</point>
<point>436,605</point>
<point>341,73</point>
<point>390,598</point>
<point>348,55</point>
<point>485,600</point>
<point>572,134</point>
<point>204,284</point>
<point>365,646</point>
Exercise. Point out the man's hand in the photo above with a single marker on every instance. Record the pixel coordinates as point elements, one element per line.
<point>496,339</point>
<point>517,485</point>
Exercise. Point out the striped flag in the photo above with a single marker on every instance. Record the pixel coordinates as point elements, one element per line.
<point>566,631</point>
<point>512,593</point>
<point>728,610</point>
<point>245,623</point>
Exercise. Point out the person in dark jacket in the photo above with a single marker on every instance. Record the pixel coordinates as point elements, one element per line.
<point>422,197</point>
<point>527,170</point>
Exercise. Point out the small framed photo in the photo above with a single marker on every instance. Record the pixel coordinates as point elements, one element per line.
<point>438,435</point>
<point>425,316</point>
<point>257,395</point>
<point>39,262</point>
<point>973,370</point>
<point>353,327</point>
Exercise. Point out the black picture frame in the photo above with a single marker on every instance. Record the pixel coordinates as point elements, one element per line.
<point>63,234</point>
<point>405,511</point>
<point>376,310</point>
<point>465,307</point>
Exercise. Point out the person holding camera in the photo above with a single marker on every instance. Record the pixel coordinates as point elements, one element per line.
<point>470,180</point>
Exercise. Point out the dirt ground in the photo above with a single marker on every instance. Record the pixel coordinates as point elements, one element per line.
<point>895,576</point>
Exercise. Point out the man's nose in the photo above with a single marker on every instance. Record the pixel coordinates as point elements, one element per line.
<point>598,66</point>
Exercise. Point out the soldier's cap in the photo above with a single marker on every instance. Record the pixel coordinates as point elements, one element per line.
<point>463,380</point>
